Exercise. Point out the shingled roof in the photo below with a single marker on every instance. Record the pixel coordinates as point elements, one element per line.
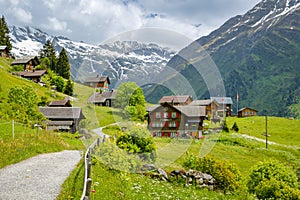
<point>25,60</point>
<point>175,99</point>
<point>62,112</point>
<point>36,73</point>
<point>204,102</point>
<point>222,100</point>
<point>97,79</point>
<point>97,97</point>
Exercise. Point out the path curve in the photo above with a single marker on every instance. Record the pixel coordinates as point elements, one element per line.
<point>39,177</point>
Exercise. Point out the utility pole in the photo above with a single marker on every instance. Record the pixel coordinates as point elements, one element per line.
<point>266,131</point>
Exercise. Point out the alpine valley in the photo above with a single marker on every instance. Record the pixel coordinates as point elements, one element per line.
<point>257,54</point>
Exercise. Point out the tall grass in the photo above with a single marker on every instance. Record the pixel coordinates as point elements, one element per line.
<point>27,142</point>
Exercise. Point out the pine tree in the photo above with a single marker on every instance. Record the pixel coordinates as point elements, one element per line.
<point>4,34</point>
<point>63,65</point>
<point>48,51</point>
<point>69,88</point>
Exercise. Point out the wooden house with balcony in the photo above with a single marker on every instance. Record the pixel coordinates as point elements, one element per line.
<point>29,62</point>
<point>224,107</point>
<point>211,106</point>
<point>247,112</point>
<point>100,82</point>
<point>167,120</point>
<point>62,118</point>
<point>103,98</point>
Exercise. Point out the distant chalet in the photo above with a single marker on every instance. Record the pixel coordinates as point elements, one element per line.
<point>101,82</point>
<point>60,103</point>
<point>63,118</point>
<point>103,99</point>
<point>224,105</point>
<point>4,52</point>
<point>34,75</point>
<point>29,62</point>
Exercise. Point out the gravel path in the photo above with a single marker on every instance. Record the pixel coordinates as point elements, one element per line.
<point>39,177</point>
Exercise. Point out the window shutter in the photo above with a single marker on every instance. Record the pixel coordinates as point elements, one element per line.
<point>154,115</point>
<point>166,124</point>
<point>177,124</point>
<point>169,115</point>
<point>177,114</point>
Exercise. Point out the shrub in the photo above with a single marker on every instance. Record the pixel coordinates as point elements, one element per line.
<point>138,140</point>
<point>227,175</point>
<point>266,177</point>
<point>225,127</point>
<point>235,127</point>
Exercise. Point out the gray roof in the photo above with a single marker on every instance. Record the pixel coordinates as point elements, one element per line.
<point>97,97</point>
<point>204,102</point>
<point>23,60</point>
<point>37,73</point>
<point>59,123</point>
<point>247,108</point>
<point>174,99</point>
<point>96,79</point>
<point>59,102</point>
<point>62,112</point>
<point>192,111</point>
<point>222,100</point>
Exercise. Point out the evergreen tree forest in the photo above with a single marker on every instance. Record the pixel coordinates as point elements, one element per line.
<point>4,34</point>
<point>58,68</point>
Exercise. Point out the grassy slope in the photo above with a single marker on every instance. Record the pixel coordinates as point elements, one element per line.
<point>231,146</point>
<point>26,142</point>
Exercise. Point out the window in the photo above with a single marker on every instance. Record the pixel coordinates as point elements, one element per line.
<point>166,115</point>
<point>251,113</point>
<point>246,113</point>
<point>172,124</point>
<point>158,134</point>
<point>157,115</point>
<point>174,115</point>
<point>173,134</point>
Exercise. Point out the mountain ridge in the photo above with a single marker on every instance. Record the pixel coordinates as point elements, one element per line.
<point>257,54</point>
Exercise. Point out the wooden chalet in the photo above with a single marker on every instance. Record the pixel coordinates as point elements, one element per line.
<point>103,99</point>
<point>176,100</point>
<point>60,103</point>
<point>35,75</point>
<point>62,118</point>
<point>29,62</point>
<point>167,120</point>
<point>101,82</point>
<point>4,52</point>
<point>247,112</point>
<point>211,106</point>
<point>225,104</point>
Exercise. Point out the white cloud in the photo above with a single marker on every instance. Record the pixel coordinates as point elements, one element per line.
<point>56,25</point>
<point>21,15</point>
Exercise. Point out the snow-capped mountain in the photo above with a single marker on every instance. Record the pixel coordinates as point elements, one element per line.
<point>115,60</point>
<point>262,18</point>
<point>258,56</point>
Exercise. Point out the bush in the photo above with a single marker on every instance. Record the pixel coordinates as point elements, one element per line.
<point>225,127</point>
<point>274,189</point>
<point>267,177</point>
<point>227,175</point>
<point>117,159</point>
<point>235,127</point>
<point>138,140</point>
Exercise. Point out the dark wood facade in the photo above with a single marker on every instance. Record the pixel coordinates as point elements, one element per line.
<point>166,120</point>
<point>101,82</point>
<point>247,112</point>
<point>29,62</point>
<point>211,107</point>
<point>4,52</point>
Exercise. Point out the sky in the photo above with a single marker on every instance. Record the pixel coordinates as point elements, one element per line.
<point>95,21</point>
